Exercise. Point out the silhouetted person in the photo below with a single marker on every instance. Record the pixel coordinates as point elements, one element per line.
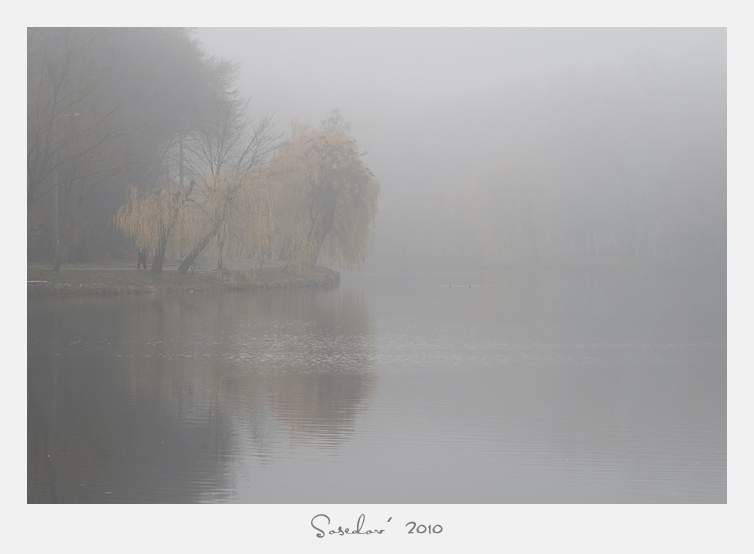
<point>142,255</point>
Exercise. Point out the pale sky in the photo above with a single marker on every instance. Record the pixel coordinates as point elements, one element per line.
<point>390,83</point>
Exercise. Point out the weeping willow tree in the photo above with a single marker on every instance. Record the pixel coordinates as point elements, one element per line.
<point>239,215</point>
<point>325,197</point>
<point>156,220</point>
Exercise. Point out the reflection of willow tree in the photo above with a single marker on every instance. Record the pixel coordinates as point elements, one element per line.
<point>294,355</point>
<point>301,357</point>
<point>304,355</point>
<point>189,383</point>
<point>328,377</point>
<point>147,410</point>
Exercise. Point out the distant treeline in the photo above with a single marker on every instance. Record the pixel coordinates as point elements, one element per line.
<point>626,162</point>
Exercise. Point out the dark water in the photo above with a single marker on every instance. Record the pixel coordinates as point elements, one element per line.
<point>525,387</point>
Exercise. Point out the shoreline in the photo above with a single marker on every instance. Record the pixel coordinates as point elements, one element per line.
<point>77,282</point>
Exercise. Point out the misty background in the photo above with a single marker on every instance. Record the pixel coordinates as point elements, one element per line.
<point>492,147</point>
<point>499,147</point>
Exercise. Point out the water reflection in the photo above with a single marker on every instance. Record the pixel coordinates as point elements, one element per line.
<point>162,393</point>
<point>549,387</point>
<point>465,388</point>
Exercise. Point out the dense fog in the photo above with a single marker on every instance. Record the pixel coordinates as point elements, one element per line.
<point>488,147</point>
<point>511,146</point>
<point>414,266</point>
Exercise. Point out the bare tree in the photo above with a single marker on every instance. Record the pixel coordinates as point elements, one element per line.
<point>227,155</point>
<point>75,133</point>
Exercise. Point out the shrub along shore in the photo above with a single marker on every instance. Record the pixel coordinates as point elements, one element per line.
<point>84,282</point>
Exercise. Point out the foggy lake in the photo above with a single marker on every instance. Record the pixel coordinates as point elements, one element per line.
<point>531,229</point>
<point>479,387</point>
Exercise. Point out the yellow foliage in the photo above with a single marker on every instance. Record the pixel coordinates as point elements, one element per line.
<point>325,197</point>
<point>147,217</point>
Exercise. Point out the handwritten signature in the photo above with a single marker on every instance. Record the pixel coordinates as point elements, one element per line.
<point>328,529</point>
<point>319,518</point>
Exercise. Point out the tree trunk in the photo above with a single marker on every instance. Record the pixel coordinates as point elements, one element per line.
<point>56,223</point>
<point>159,256</point>
<point>220,251</point>
<point>186,264</point>
<point>321,232</point>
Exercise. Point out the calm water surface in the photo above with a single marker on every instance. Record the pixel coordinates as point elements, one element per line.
<point>504,387</point>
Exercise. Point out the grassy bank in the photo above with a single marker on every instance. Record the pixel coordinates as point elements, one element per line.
<point>81,281</point>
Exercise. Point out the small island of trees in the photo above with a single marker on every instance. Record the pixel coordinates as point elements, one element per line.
<point>137,139</point>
